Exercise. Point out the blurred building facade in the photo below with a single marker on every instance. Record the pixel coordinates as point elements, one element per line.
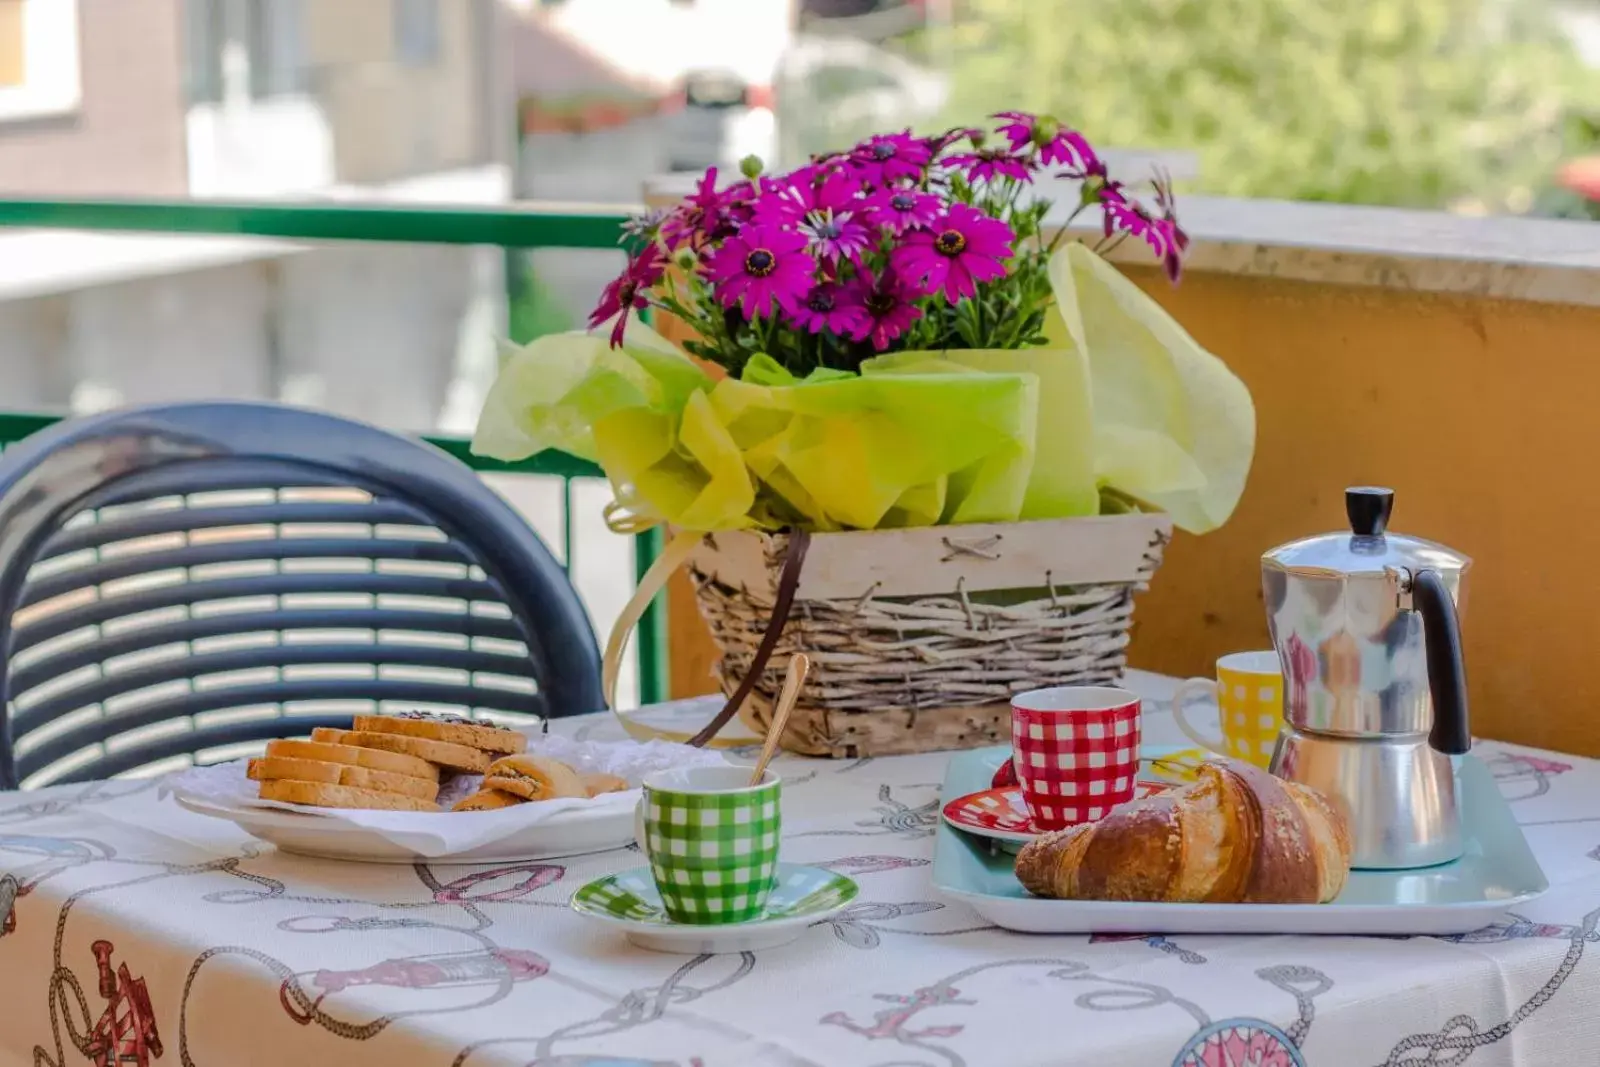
<point>354,99</point>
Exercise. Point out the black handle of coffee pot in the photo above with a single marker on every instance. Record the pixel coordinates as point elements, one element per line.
<point>1447,672</point>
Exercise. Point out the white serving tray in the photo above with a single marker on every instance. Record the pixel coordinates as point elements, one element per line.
<point>1498,873</point>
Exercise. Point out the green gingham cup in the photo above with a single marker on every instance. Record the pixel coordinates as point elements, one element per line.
<point>712,842</point>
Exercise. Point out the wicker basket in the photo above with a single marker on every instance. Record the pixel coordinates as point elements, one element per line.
<point>918,637</point>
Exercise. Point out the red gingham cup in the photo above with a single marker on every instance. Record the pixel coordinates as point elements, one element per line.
<point>1076,751</point>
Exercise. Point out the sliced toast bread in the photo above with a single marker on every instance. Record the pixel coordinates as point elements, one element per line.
<point>453,729</point>
<point>323,795</point>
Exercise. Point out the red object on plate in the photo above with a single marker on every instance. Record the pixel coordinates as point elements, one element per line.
<point>1005,776</point>
<point>1002,813</point>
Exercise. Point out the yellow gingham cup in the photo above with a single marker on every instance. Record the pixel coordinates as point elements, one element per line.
<point>1248,692</point>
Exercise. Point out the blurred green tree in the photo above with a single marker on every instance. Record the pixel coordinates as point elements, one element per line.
<point>1427,103</point>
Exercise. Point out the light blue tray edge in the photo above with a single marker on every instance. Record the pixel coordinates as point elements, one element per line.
<point>972,770</point>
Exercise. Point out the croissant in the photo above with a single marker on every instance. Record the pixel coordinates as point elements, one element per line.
<point>1237,835</point>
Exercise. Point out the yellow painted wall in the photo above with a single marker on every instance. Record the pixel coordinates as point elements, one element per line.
<point>1481,414</point>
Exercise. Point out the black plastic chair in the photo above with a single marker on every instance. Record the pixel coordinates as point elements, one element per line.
<point>181,580</point>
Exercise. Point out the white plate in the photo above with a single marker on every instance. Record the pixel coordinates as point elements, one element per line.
<point>569,833</point>
<point>1497,874</point>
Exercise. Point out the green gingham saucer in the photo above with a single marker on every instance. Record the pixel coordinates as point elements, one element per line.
<point>629,901</point>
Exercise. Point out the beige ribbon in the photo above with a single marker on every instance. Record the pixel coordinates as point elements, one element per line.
<point>655,579</point>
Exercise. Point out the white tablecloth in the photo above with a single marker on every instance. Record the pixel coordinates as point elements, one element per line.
<point>246,956</point>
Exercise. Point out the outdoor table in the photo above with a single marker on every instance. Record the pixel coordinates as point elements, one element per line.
<point>131,927</point>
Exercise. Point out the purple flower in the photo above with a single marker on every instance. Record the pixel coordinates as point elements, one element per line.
<point>1178,241</point>
<point>961,248</point>
<point>940,141</point>
<point>833,307</point>
<point>831,236</point>
<point>890,157</point>
<point>645,227</point>
<point>627,291</point>
<point>991,164</point>
<point>1163,235</point>
<point>900,209</point>
<point>890,309</point>
<point>1088,168</point>
<point>807,190</point>
<point>760,267</point>
<point>1056,143</point>
<point>695,216</point>
<point>1069,146</point>
<point>1018,127</point>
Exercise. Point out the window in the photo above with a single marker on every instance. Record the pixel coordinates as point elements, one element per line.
<point>203,36</point>
<point>275,47</point>
<point>416,32</point>
<point>38,57</point>
<point>268,34</point>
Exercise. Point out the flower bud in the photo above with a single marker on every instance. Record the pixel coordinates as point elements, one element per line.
<point>685,259</point>
<point>1089,192</point>
<point>977,137</point>
<point>1045,130</point>
<point>751,167</point>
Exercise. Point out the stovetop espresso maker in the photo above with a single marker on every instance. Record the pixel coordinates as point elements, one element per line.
<point>1375,699</point>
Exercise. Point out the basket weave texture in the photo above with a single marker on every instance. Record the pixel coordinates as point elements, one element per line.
<point>918,638</point>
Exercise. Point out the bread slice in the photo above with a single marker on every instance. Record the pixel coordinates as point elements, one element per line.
<point>534,778</point>
<point>323,795</point>
<point>305,770</point>
<point>301,770</point>
<point>451,728</point>
<point>329,750</point>
<point>444,753</point>
<point>488,800</point>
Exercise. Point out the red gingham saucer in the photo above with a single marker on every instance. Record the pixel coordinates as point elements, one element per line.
<point>1000,813</point>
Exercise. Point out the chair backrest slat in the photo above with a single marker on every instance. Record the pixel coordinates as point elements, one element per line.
<point>57,583</point>
<point>224,572</point>
<point>185,744</point>
<point>182,519</point>
<point>189,593</point>
<point>181,705</point>
<point>95,649</point>
<point>30,715</point>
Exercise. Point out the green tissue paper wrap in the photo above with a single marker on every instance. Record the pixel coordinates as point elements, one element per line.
<point>1121,399</point>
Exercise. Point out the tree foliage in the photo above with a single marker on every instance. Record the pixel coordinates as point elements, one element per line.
<point>1427,103</point>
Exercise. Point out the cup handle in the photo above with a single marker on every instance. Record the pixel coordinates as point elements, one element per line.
<point>1180,697</point>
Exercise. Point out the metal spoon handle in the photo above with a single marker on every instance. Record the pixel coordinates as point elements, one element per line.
<point>793,679</point>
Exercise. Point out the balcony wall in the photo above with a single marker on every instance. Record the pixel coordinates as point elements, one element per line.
<point>1456,360</point>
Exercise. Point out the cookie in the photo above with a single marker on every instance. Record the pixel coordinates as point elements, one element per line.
<point>272,768</point>
<point>453,729</point>
<point>597,783</point>
<point>445,754</point>
<point>488,800</point>
<point>534,778</point>
<point>323,795</point>
<point>325,745</point>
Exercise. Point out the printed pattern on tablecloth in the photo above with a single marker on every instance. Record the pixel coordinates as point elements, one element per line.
<point>133,932</point>
<point>1076,766</point>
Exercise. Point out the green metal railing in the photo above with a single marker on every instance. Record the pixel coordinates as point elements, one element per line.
<point>511,228</point>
